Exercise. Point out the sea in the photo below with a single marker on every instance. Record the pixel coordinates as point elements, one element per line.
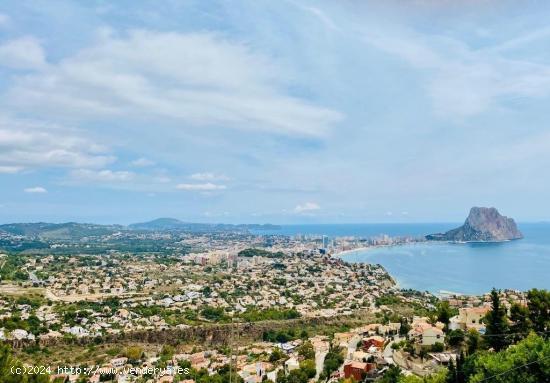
<point>440,267</point>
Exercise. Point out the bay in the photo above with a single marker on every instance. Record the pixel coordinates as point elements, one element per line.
<point>467,268</point>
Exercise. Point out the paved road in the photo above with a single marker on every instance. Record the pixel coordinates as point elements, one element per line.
<point>352,345</point>
<point>388,351</point>
<point>34,278</point>
<point>319,363</point>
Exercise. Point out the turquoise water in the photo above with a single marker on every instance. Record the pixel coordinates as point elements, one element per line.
<point>463,268</point>
<point>363,229</point>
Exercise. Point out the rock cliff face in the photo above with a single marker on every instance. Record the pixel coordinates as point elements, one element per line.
<point>482,225</point>
<point>214,334</point>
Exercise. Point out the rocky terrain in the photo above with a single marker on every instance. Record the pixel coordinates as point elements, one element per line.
<point>482,225</point>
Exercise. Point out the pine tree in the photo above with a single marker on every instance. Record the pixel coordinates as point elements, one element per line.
<point>539,310</point>
<point>519,315</point>
<point>473,341</point>
<point>496,323</point>
<point>444,313</point>
<point>451,373</point>
<point>460,375</point>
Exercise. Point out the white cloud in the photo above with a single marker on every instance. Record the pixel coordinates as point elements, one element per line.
<point>146,182</point>
<point>143,162</point>
<point>105,175</point>
<point>36,189</point>
<point>201,187</point>
<point>209,177</point>
<point>22,53</point>
<point>28,144</point>
<point>307,207</point>
<point>10,169</point>
<point>465,81</point>
<point>199,79</point>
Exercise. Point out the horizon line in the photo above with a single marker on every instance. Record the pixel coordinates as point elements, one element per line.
<point>263,223</point>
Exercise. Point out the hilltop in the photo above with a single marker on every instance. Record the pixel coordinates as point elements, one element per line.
<point>67,230</point>
<point>78,231</point>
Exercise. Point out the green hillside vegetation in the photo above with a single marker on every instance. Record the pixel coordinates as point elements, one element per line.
<point>10,268</point>
<point>254,252</point>
<point>515,348</point>
<point>255,315</point>
<point>7,362</point>
<point>527,362</point>
<point>67,231</point>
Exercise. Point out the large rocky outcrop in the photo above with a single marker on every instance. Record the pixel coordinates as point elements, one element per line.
<point>482,225</point>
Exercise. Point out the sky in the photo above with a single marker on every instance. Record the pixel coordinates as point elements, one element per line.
<point>273,111</point>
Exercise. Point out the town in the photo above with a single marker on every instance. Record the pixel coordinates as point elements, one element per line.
<point>254,307</point>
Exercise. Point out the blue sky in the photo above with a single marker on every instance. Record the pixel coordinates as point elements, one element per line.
<point>273,111</point>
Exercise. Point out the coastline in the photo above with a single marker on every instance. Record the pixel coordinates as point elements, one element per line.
<point>345,252</point>
<point>441,293</point>
<point>367,248</point>
<point>393,279</point>
<point>431,242</point>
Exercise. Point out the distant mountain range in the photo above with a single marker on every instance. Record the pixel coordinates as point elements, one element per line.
<point>68,230</point>
<point>163,224</point>
<point>484,224</point>
<point>76,231</point>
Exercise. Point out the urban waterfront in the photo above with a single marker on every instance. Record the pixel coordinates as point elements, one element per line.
<point>468,268</point>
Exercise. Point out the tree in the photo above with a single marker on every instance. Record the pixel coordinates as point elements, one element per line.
<point>133,353</point>
<point>438,377</point>
<point>455,337</point>
<point>213,313</point>
<point>392,375</point>
<point>303,374</point>
<point>333,361</point>
<point>519,315</point>
<point>473,341</point>
<point>460,376</point>
<point>306,350</point>
<point>220,376</point>
<point>206,291</point>
<point>7,361</point>
<point>539,310</point>
<point>496,323</point>
<point>451,374</point>
<point>281,377</point>
<point>308,367</point>
<point>527,362</point>
<point>276,355</point>
<point>405,326</point>
<point>444,313</point>
<point>455,373</point>
<point>167,352</point>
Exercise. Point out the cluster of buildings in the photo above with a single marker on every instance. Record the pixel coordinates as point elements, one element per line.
<point>362,349</point>
<point>212,281</point>
<point>472,309</point>
<point>156,292</point>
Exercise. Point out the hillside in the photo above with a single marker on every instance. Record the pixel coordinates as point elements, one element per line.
<point>60,231</point>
